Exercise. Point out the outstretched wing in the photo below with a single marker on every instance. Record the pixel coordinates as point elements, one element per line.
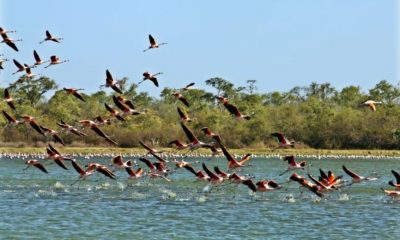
<point>189,134</point>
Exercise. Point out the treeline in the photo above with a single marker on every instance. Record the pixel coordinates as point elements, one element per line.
<point>317,115</point>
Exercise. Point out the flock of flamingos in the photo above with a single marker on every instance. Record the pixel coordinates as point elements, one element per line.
<point>321,185</point>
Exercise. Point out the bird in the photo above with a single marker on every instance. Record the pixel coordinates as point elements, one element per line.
<point>157,169</point>
<point>187,87</point>
<point>126,110</point>
<point>371,104</point>
<point>54,60</point>
<point>126,101</point>
<point>209,133</point>
<point>329,179</point>
<point>213,179</point>
<point>392,193</point>
<point>232,109</point>
<point>397,176</point>
<point>8,99</point>
<point>292,164</point>
<point>100,121</point>
<point>194,142</point>
<point>49,37</point>
<point>9,41</point>
<point>183,116</point>
<point>153,43</point>
<point>70,128</point>
<point>53,133</point>
<point>32,122</point>
<point>75,92</point>
<point>93,126</point>
<point>151,77</point>
<point>28,71</point>
<point>35,163</point>
<point>38,60</point>
<point>306,184</point>
<point>283,141</point>
<point>181,98</point>
<point>119,163</point>
<point>3,31</point>
<point>11,120</point>
<point>114,112</point>
<point>326,186</point>
<point>90,169</point>
<point>356,178</point>
<point>262,186</point>
<point>232,162</point>
<point>55,155</point>
<point>200,175</point>
<point>222,99</point>
<point>110,82</point>
<point>179,145</point>
<point>134,174</point>
<point>21,68</point>
<point>149,149</point>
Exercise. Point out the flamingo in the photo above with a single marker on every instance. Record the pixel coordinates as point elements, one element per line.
<point>8,99</point>
<point>153,43</point>
<point>356,178</point>
<point>74,92</point>
<point>329,179</point>
<point>151,77</point>
<point>53,154</point>
<point>262,186</point>
<point>21,68</point>
<point>149,149</point>
<point>157,169</point>
<point>324,186</point>
<point>53,133</point>
<point>54,60</point>
<point>180,164</point>
<point>28,71</point>
<point>93,125</point>
<point>232,162</point>
<point>9,41</point>
<point>71,129</point>
<point>133,175</point>
<point>126,101</point>
<point>49,37</point>
<point>397,184</point>
<point>38,60</point>
<point>119,163</point>
<point>283,141</point>
<point>114,112</point>
<point>126,110</point>
<point>4,31</point>
<point>32,122</point>
<point>101,121</point>
<point>222,99</point>
<point>35,163</point>
<point>209,133</point>
<point>293,165</point>
<point>194,142</point>
<point>183,116</point>
<point>110,82</point>
<point>371,104</point>
<point>213,179</point>
<point>90,169</point>
<point>200,176</point>
<point>11,120</point>
<point>188,87</point>
<point>306,184</point>
<point>179,145</point>
<point>232,109</point>
<point>181,98</point>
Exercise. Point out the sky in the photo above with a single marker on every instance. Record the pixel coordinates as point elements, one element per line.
<point>281,44</point>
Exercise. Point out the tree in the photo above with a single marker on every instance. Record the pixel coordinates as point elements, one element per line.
<point>33,89</point>
<point>384,91</point>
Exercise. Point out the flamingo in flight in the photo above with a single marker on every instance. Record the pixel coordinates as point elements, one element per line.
<point>21,68</point>
<point>8,99</point>
<point>9,41</point>
<point>114,112</point>
<point>397,184</point>
<point>38,60</point>
<point>262,186</point>
<point>49,37</point>
<point>356,178</point>
<point>101,121</point>
<point>293,165</point>
<point>181,98</point>
<point>4,31</point>
<point>306,184</point>
<point>232,162</point>
<point>200,175</point>
<point>75,92</point>
<point>35,163</point>
<point>194,142</point>
<point>53,133</point>
<point>371,104</point>
<point>93,125</point>
<point>179,145</point>
<point>157,169</point>
<point>232,109</point>
<point>54,60</point>
<point>326,186</point>
<point>211,134</point>
<point>151,77</point>
<point>183,116</point>
<point>55,155</point>
<point>110,82</point>
<point>119,163</point>
<point>328,179</point>
<point>213,179</point>
<point>28,71</point>
<point>71,129</point>
<point>126,101</point>
<point>32,122</point>
<point>149,149</point>
<point>188,87</point>
<point>283,141</point>
<point>153,43</point>
<point>11,120</point>
<point>126,110</point>
<point>133,175</point>
<point>90,169</point>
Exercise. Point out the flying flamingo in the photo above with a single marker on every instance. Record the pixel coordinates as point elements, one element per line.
<point>21,68</point>
<point>200,176</point>
<point>70,128</point>
<point>119,163</point>
<point>188,87</point>
<point>213,179</point>
<point>371,104</point>
<point>53,133</point>
<point>28,71</point>
<point>38,60</point>
<point>126,101</point>
<point>126,110</point>
<point>35,163</point>
<point>9,41</point>
<point>262,186</point>
<point>53,154</point>
<point>194,142</point>
<point>293,165</point>
<point>181,98</point>
<point>397,184</point>
<point>93,125</point>
<point>8,99</point>
<point>153,43</point>
<point>209,133</point>
<point>114,112</point>
<point>232,162</point>
<point>149,149</point>
<point>151,77</point>
<point>110,82</point>
<point>179,145</point>
<point>324,186</point>
<point>11,120</point>
<point>32,122</point>
<point>4,31</point>
<point>356,178</point>
<point>49,37</point>
<point>306,184</point>
<point>91,168</point>
<point>54,60</point>
<point>183,116</point>
<point>101,121</point>
<point>74,92</point>
<point>232,109</point>
<point>283,141</point>
<point>133,175</point>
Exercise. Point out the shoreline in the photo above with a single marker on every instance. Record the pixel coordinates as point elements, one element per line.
<point>257,152</point>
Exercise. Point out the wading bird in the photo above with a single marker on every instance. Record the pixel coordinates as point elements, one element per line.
<point>110,82</point>
<point>283,141</point>
<point>126,110</point>
<point>70,128</point>
<point>53,133</point>
<point>151,77</point>
<point>49,37</point>
<point>8,99</point>
<point>153,43</point>
<point>194,142</point>
<point>179,145</point>
<point>11,120</point>
<point>119,163</point>
<point>114,112</point>
<point>55,155</point>
<point>38,60</point>
<point>262,186</point>
<point>75,93</point>
<point>93,125</point>
<point>133,175</point>
<point>35,163</point>
<point>306,184</point>
<point>21,68</point>
<point>9,41</point>
<point>232,109</point>
<point>356,178</point>
<point>200,176</point>
<point>181,98</point>
<point>232,162</point>
<point>371,104</point>
<point>32,122</point>
<point>293,165</point>
<point>184,117</point>
<point>54,60</point>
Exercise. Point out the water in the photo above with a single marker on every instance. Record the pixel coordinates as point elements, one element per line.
<point>37,205</point>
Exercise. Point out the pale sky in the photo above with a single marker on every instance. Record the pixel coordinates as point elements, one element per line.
<point>281,44</point>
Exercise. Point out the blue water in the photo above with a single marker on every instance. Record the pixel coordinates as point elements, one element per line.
<point>37,205</point>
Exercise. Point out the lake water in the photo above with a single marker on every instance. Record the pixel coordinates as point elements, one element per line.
<point>37,205</point>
